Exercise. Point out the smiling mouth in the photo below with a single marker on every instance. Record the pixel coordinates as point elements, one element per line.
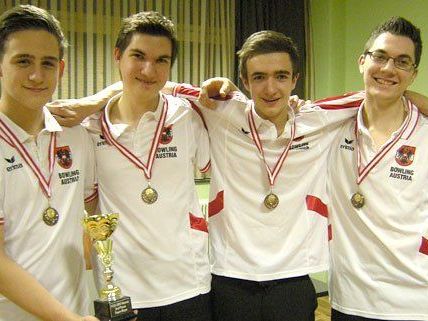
<point>269,101</point>
<point>146,82</point>
<point>35,89</point>
<point>385,81</point>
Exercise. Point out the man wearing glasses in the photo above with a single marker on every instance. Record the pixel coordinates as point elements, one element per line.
<point>377,185</point>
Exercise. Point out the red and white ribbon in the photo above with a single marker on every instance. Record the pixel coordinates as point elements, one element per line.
<point>272,174</point>
<point>45,182</point>
<point>147,169</point>
<point>363,171</point>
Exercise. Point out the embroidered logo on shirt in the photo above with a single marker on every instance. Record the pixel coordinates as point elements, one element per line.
<point>166,136</point>
<point>101,142</point>
<point>405,155</point>
<point>14,166</point>
<point>63,156</point>
<point>304,145</point>
<point>244,131</point>
<point>347,144</point>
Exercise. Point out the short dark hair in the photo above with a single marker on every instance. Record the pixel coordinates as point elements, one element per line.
<point>265,42</point>
<point>147,22</point>
<point>400,27</point>
<point>28,17</point>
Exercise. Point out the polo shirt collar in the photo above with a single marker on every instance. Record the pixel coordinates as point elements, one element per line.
<point>118,129</point>
<point>51,125</point>
<point>408,124</point>
<point>259,121</point>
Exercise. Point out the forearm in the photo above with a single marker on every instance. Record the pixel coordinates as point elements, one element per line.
<point>419,100</point>
<point>71,112</point>
<point>24,290</point>
<point>103,96</point>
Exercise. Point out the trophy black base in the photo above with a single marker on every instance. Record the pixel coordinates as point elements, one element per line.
<point>119,310</point>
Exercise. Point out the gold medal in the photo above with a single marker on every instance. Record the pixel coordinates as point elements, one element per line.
<point>271,201</point>
<point>149,195</point>
<point>357,200</point>
<point>50,216</point>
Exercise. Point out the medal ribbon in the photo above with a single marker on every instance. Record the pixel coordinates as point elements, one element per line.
<point>363,171</point>
<point>147,169</point>
<point>256,138</point>
<point>9,137</point>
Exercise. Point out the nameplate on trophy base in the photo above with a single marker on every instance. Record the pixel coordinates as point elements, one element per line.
<point>119,310</point>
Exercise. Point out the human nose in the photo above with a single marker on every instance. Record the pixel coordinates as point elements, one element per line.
<point>36,74</point>
<point>270,86</point>
<point>148,68</point>
<point>389,64</point>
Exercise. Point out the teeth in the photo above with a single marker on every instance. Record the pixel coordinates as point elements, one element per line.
<point>385,82</point>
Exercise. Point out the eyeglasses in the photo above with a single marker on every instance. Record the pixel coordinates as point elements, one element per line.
<point>400,62</point>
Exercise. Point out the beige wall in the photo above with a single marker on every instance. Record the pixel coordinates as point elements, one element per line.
<point>340,29</point>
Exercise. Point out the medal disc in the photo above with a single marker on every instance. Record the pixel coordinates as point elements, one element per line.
<point>271,201</point>
<point>357,200</point>
<point>50,216</point>
<point>149,195</point>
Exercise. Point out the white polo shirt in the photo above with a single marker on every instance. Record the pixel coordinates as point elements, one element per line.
<point>249,241</point>
<point>379,253</point>
<point>161,249</point>
<point>52,254</point>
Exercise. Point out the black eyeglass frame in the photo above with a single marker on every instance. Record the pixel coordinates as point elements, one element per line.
<point>378,60</point>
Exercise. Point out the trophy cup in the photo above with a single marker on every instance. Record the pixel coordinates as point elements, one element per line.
<point>111,306</point>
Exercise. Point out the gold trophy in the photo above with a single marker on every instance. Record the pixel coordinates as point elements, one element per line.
<point>111,306</point>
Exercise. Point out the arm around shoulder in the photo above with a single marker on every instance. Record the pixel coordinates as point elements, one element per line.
<point>418,100</point>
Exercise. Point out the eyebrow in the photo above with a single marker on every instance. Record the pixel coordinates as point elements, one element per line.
<point>32,57</point>
<point>403,55</point>
<point>277,72</point>
<point>143,53</point>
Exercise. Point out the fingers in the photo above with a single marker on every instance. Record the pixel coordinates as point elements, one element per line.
<point>66,121</point>
<point>65,112</point>
<point>204,98</point>
<point>225,89</point>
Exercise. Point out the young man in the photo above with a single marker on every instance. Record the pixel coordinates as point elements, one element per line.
<point>377,182</point>
<point>268,218</point>
<point>146,147</point>
<point>45,173</point>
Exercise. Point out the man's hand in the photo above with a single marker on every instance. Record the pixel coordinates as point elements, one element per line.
<point>215,87</point>
<point>296,103</point>
<point>418,100</point>
<point>71,112</point>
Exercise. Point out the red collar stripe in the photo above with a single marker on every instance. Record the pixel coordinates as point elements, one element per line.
<point>147,169</point>
<point>364,171</point>
<point>9,136</point>
<point>256,138</point>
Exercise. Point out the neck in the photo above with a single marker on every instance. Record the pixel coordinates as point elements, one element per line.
<point>383,119</point>
<point>384,116</point>
<point>129,111</point>
<point>30,120</point>
<point>278,120</point>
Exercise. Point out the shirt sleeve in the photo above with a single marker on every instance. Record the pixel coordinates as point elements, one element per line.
<point>225,106</point>
<point>329,112</point>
